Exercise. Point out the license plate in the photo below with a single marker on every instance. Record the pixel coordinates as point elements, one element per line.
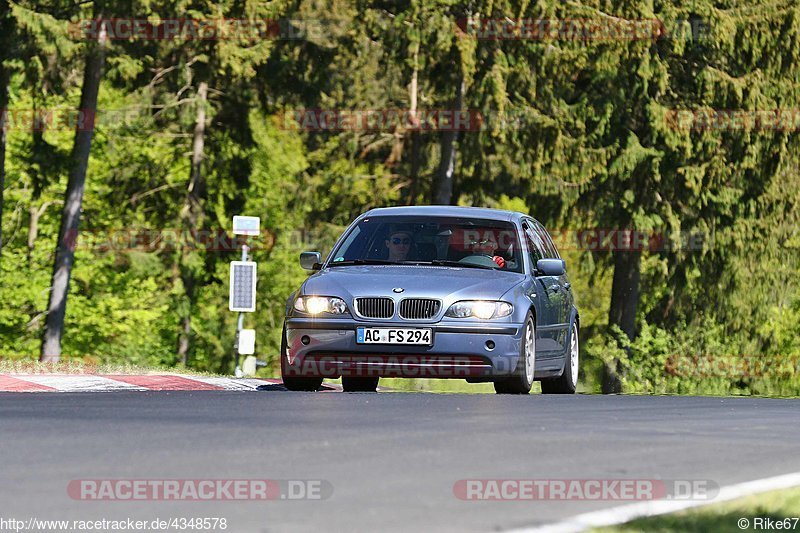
<point>394,336</point>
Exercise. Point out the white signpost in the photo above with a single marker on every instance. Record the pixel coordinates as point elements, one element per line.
<point>247,342</point>
<point>243,288</point>
<point>246,225</point>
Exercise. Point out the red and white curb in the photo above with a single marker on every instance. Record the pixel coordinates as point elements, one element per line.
<point>119,382</point>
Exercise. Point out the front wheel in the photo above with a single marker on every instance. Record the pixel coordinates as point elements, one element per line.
<point>522,379</point>
<point>295,383</point>
<point>568,382</point>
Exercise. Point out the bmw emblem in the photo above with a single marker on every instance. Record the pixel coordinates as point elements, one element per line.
<point>398,290</point>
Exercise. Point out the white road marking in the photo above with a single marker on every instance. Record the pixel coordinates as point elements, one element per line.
<point>79,383</point>
<point>626,513</point>
<point>234,383</point>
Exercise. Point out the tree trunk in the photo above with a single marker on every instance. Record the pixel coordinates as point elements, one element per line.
<point>33,227</point>
<point>193,208</point>
<point>413,98</point>
<point>183,338</point>
<point>416,143</point>
<point>192,214</point>
<point>622,312</point>
<point>70,216</point>
<point>444,174</point>
<point>5,78</point>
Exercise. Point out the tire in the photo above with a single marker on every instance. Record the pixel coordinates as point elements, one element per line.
<point>568,382</point>
<point>295,383</point>
<point>353,384</point>
<point>522,379</point>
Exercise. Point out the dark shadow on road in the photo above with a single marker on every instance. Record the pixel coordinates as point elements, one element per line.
<point>281,388</point>
<point>272,387</point>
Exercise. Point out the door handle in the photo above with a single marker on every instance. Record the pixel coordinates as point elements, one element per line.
<point>568,286</point>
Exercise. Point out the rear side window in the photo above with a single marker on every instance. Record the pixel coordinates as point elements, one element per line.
<point>534,244</point>
<point>549,247</point>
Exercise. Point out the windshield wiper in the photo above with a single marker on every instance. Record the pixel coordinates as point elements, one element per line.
<point>361,262</point>
<point>444,262</point>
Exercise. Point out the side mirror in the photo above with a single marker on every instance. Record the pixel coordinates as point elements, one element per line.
<point>311,260</point>
<point>551,267</point>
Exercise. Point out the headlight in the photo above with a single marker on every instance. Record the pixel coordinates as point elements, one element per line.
<point>315,305</point>
<point>483,309</point>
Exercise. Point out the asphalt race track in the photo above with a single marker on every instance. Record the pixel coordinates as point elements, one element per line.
<point>392,459</point>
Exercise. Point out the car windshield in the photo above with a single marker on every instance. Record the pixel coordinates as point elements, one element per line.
<point>439,241</point>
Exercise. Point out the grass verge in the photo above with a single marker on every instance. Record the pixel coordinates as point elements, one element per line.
<point>782,506</point>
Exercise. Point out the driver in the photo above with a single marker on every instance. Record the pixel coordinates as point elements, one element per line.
<point>399,244</point>
<point>488,247</point>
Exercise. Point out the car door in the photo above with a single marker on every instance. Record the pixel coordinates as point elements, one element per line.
<point>546,290</point>
<point>565,301</point>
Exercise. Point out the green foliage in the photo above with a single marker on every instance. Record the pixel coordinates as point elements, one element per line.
<point>692,360</point>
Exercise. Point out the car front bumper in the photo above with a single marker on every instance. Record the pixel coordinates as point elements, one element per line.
<point>328,348</point>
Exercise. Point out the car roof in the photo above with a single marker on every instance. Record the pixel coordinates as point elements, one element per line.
<point>446,210</point>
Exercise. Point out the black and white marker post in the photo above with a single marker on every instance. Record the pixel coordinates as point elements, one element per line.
<point>243,289</point>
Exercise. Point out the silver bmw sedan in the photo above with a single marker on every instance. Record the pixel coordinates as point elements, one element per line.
<point>435,292</point>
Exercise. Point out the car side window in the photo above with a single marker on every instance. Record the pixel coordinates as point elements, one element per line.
<point>535,248</point>
<point>549,247</point>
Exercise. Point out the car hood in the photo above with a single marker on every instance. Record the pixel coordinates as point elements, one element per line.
<point>445,283</point>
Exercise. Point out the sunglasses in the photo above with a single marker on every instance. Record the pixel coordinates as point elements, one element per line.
<point>398,240</point>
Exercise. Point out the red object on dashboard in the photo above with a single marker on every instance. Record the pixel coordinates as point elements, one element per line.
<point>499,260</point>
